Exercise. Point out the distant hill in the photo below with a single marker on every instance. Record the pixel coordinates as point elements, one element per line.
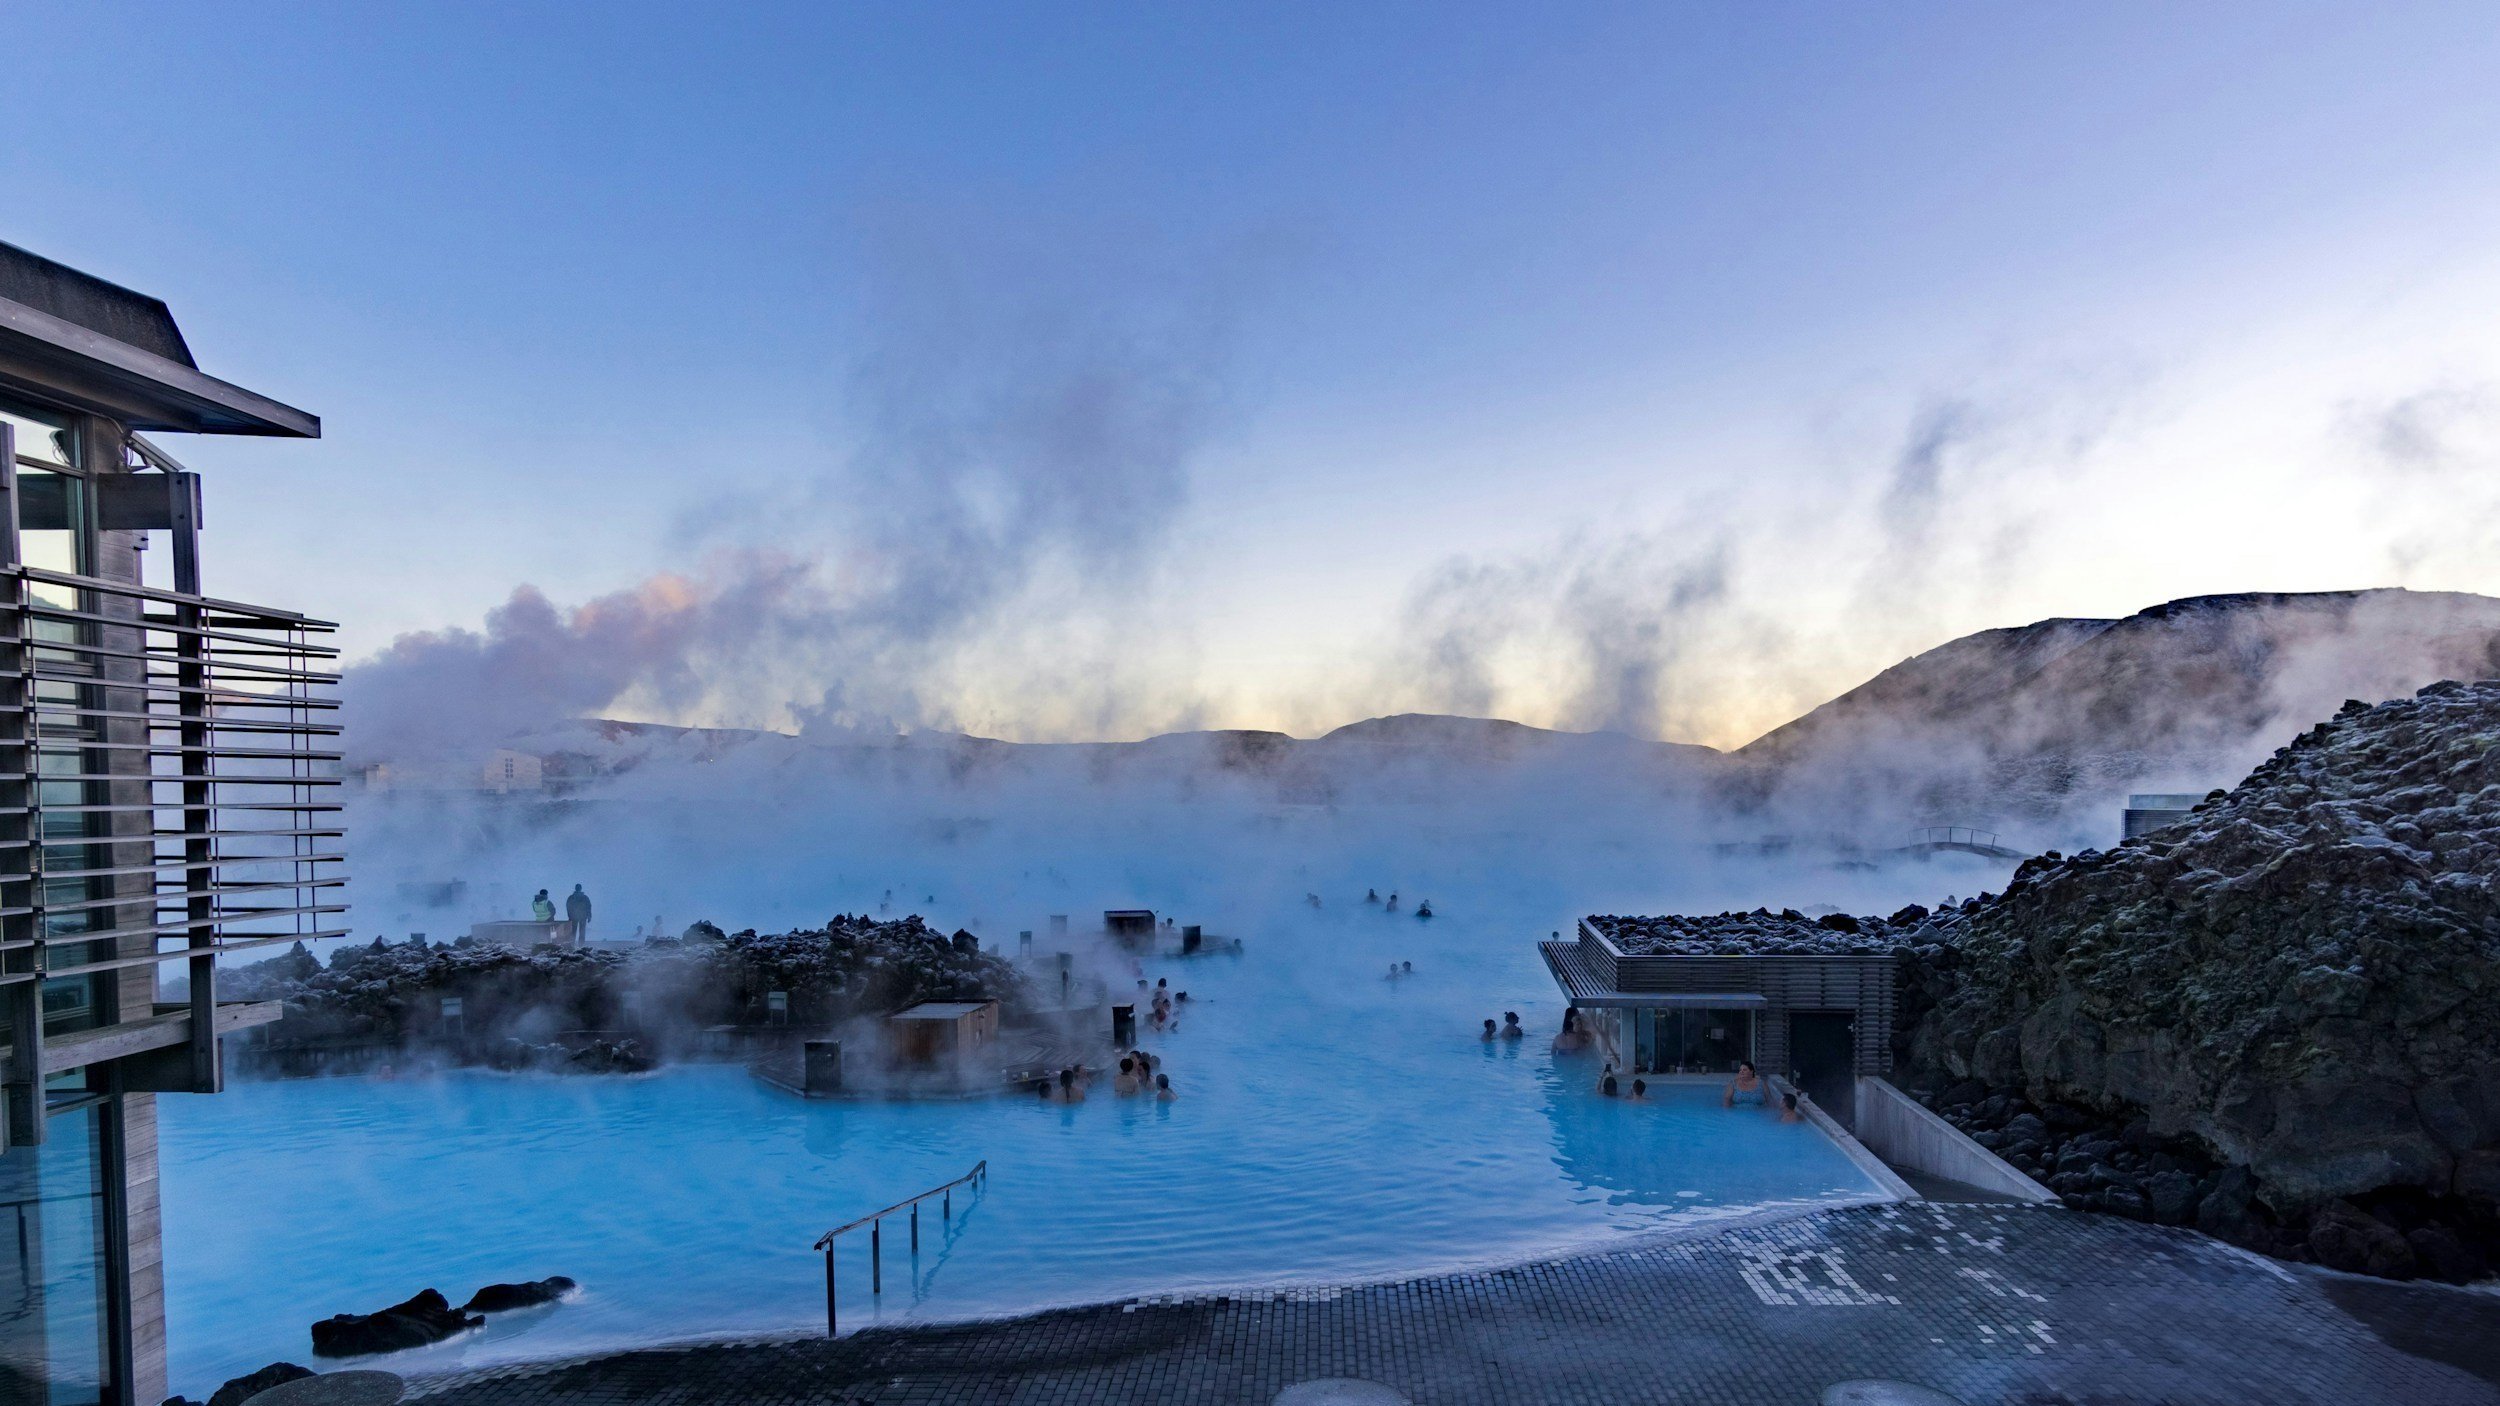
<point>2186,695</point>
<point>2004,726</point>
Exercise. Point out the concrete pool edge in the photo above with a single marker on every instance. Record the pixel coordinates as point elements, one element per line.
<point>425,1382</point>
<point>2094,1297</point>
<point>1856,1151</point>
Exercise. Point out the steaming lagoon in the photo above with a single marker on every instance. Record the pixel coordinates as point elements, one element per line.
<point>1332,1126</point>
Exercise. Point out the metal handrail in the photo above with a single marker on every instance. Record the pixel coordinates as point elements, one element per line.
<point>875,1221</point>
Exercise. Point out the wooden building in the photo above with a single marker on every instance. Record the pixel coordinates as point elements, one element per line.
<point>941,1033</point>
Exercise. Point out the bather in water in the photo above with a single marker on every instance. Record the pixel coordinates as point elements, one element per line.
<point>1747,1087</point>
<point>1572,1036</point>
<point>1510,1026</point>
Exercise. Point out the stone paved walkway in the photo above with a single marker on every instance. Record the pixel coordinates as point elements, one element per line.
<point>1990,1303</point>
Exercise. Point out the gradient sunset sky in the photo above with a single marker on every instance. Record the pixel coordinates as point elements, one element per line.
<point>1665,368</point>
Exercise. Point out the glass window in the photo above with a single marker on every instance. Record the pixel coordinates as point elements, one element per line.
<point>52,507</point>
<point>55,1291</point>
<point>43,436</point>
<point>1702,1040</point>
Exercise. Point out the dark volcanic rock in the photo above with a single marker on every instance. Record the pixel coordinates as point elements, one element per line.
<point>1762,932</point>
<point>2173,1196</point>
<point>242,1389</point>
<point>2439,1253</point>
<point>498,1298</point>
<point>2304,975</point>
<point>392,994</point>
<point>2345,1237</point>
<point>427,1318</point>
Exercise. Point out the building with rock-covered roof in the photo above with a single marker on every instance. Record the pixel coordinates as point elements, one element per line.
<point>1808,998</point>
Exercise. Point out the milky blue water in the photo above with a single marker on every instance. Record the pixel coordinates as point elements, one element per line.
<point>1332,1125</point>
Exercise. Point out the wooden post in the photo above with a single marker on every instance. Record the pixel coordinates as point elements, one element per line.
<point>24,1085</point>
<point>833,1328</point>
<point>198,851</point>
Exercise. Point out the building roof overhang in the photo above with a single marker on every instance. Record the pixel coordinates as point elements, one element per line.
<point>1585,986</point>
<point>64,361</point>
<point>940,1010</point>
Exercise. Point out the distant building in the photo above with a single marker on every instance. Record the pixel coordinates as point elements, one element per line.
<point>167,794</point>
<point>508,771</point>
<point>2147,813</point>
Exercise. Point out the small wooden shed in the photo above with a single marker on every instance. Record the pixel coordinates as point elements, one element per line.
<point>941,1032</point>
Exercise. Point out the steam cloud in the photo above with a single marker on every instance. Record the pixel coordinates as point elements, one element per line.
<point>1018,462</point>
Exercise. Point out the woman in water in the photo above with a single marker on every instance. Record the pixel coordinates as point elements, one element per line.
<point>1572,1036</point>
<point>1747,1087</point>
<point>1070,1091</point>
<point>1606,1085</point>
<point>1510,1026</point>
<point>1489,1034</point>
<point>1163,1089</point>
<point>1126,1084</point>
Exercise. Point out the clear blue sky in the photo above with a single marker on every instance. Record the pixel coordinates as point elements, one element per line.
<point>1484,293</point>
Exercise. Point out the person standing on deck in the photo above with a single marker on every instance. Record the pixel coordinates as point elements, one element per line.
<point>543,908</point>
<point>577,908</point>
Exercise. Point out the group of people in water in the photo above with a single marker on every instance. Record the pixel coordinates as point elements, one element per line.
<point>1372,896</point>
<point>1747,1087</point>
<point>1163,1004</point>
<point>1140,1073</point>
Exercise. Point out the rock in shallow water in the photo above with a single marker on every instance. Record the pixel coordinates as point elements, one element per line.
<point>499,1298</point>
<point>426,1318</point>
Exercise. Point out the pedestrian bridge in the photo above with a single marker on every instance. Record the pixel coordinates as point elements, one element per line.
<point>1957,839</point>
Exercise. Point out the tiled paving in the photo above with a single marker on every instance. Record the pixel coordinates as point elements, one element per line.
<point>1991,1303</point>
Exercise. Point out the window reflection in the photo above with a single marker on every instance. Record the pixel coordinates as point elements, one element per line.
<point>45,437</point>
<point>53,1270</point>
